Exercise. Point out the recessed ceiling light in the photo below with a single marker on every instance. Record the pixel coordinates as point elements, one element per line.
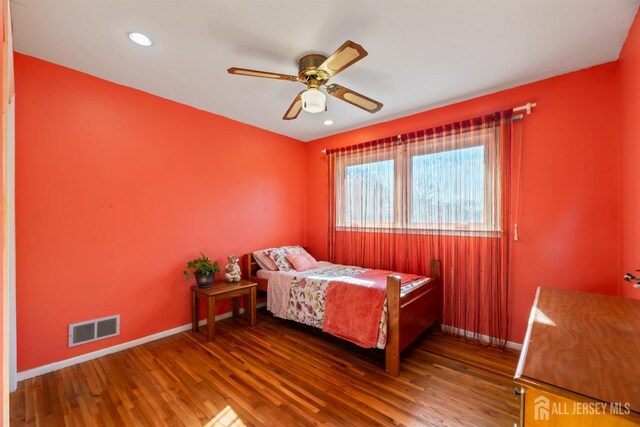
<point>140,39</point>
<point>328,122</point>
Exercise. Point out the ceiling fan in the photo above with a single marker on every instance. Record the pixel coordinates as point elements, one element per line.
<point>315,70</point>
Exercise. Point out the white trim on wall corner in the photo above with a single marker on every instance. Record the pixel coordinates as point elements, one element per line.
<point>482,337</point>
<point>45,369</point>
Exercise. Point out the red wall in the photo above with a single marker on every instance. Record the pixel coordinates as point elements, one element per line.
<point>569,205</point>
<point>117,189</point>
<point>629,86</point>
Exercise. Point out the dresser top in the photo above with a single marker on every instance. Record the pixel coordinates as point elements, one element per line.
<point>584,343</point>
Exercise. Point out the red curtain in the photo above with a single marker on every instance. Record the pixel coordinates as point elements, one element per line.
<point>440,193</point>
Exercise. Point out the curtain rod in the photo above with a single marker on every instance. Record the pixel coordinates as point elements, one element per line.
<point>526,107</point>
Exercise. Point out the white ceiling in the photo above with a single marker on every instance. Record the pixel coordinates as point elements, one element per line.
<point>422,54</point>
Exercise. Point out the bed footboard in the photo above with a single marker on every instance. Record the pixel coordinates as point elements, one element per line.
<point>410,315</point>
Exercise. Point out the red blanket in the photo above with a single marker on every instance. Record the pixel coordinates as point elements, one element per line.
<point>353,307</point>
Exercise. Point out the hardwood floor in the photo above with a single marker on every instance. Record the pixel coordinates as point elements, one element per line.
<point>277,374</point>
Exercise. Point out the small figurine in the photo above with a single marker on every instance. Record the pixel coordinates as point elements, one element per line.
<point>232,270</point>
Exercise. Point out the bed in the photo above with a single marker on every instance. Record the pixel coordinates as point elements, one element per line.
<point>411,304</point>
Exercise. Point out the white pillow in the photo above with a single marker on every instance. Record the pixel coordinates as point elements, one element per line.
<point>263,260</point>
<point>278,256</point>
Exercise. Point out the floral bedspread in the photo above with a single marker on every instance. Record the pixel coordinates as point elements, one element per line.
<point>305,294</point>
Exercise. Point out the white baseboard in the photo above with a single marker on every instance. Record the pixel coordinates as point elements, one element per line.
<point>45,369</point>
<point>482,337</point>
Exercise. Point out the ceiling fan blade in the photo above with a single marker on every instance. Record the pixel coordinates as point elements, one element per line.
<point>294,109</point>
<point>354,98</point>
<point>346,55</point>
<point>263,74</point>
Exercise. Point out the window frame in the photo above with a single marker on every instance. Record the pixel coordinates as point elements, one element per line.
<point>403,155</point>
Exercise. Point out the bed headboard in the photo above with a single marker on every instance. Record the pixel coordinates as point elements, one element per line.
<point>249,266</point>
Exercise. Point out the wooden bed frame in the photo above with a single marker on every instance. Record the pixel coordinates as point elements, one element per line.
<point>409,315</point>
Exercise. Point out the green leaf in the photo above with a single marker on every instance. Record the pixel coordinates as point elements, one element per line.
<point>203,266</point>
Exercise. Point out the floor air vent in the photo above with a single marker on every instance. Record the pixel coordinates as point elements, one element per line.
<point>92,330</point>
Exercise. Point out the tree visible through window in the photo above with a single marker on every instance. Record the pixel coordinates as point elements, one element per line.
<point>370,184</point>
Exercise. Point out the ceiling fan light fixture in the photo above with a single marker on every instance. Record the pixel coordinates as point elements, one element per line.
<point>313,101</point>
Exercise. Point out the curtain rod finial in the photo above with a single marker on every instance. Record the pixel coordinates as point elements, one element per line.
<point>527,107</point>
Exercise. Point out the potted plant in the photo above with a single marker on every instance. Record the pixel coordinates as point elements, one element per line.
<point>203,269</point>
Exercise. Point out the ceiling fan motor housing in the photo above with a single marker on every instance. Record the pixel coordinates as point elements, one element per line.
<point>308,68</point>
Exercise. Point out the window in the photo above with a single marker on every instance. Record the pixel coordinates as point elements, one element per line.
<point>447,188</point>
<point>436,187</point>
<point>364,185</point>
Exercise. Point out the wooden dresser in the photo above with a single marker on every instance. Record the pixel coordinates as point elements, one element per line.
<point>580,361</point>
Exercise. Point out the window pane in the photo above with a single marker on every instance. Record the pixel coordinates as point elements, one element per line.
<point>448,187</point>
<point>369,193</point>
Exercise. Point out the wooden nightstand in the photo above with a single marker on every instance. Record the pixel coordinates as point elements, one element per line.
<point>222,290</point>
